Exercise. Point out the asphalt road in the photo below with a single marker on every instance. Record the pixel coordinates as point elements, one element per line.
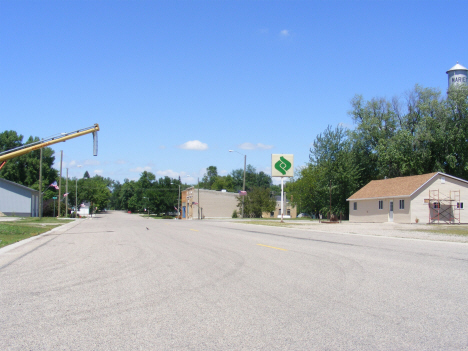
<point>112,284</point>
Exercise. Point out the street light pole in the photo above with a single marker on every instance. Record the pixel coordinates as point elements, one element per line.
<point>243,184</point>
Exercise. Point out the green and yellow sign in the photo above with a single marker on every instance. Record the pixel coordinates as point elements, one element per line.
<point>282,165</point>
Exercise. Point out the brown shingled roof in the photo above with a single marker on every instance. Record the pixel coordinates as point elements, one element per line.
<point>400,186</point>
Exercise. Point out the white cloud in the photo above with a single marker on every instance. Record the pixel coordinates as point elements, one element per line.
<point>91,162</point>
<point>250,146</point>
<point>193,145</point>
<point>285,33</point>
<point>140,169</point>
<point>162,147</point>
<point>121,162</point>
<point>169,173</point>
<point>98,171</point>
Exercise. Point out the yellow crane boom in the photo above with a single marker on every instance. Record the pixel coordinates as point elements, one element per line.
<point>22,150</point>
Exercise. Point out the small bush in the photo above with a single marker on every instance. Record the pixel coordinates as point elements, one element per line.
<point>167,217</point>
<point>234,214</point>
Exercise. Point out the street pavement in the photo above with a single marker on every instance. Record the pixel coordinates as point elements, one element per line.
<point>123,282</point>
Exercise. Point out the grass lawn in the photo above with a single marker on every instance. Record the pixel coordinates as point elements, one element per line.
<point>12,232</point>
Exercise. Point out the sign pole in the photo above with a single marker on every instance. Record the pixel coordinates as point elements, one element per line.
<point>282,194</point>
<point>282,166</point>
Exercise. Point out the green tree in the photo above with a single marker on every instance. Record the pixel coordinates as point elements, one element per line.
<point>24,169</point>
<point>331,162</point>
<point>252,178</point>
<point>226,183</point>
<point>257,201</point>
<point>94,190</point>
<point>209,178</point>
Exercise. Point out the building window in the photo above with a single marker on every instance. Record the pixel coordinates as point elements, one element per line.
<point>459,204</point>
<point>436,205</point>
<point>402,204</point>
<point>380,204</point>
<point>355,206</point>
<point>272,214</point>
<point>288,212</point>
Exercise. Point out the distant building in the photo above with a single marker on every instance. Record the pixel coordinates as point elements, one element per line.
<point>18,200</point>
<point>199,204</point>
<point>83,209</point>
<point>457,75</point>
<point>426,198</point>
<point>290,211</point>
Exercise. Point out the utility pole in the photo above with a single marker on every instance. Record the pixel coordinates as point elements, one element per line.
<point>40,186</point>
<point>76,195</point>
<point>60,183</point>
<point>66,197</point>
<point>243,186</point>
<point>76,198</point>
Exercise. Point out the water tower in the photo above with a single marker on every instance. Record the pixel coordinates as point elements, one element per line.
<point>457,75</point>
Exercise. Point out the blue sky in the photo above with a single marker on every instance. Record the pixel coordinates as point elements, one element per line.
<point>175,84</point>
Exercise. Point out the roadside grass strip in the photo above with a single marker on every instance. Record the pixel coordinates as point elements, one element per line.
<point>274,223</point>
<point>454,229</point>
<point>12,232</point>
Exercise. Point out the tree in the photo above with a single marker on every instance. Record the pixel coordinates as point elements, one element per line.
<point>209,178</point>
<point>24,169</point>
<point>226,183</point>
<point>95,190</point>
<point>257,201</point>
<point>252,178</point>
<point>331,161</point>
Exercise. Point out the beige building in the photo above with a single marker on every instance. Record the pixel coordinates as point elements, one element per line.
<point>427,198</point>
<point>204,203</point>
<point>290,211</point>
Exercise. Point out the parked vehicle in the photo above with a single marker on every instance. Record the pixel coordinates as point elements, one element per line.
<point>303,215</point>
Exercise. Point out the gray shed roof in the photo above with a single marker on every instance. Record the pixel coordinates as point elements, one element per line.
<point>18,185</point>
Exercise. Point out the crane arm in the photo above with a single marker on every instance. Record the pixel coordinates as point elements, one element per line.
<point>22,150</point>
